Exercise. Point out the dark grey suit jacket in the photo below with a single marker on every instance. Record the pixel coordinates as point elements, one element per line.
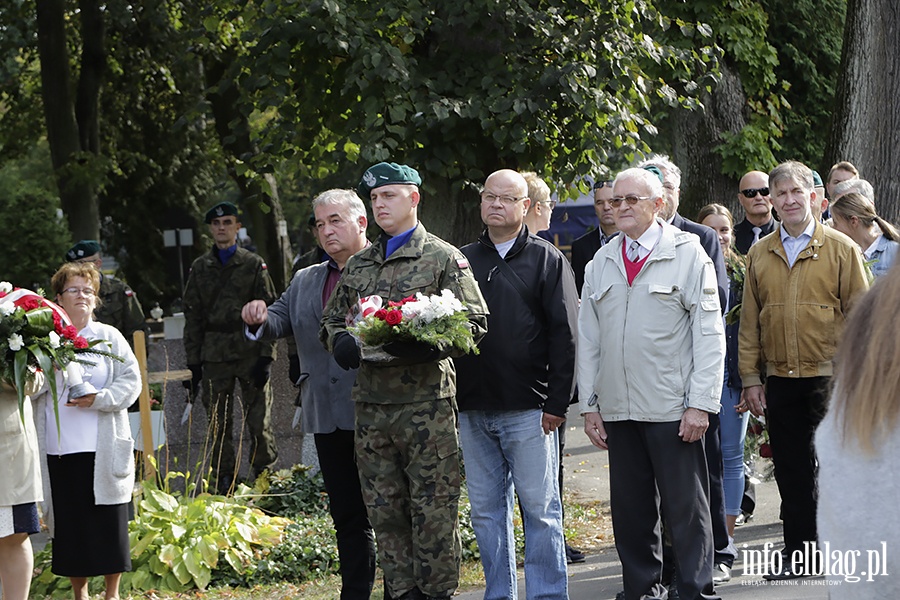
<point>325,392</point>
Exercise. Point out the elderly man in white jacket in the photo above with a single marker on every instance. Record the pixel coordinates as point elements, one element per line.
<point>650,364</point>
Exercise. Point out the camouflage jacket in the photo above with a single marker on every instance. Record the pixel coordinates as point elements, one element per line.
<point>119,307</point>
<point>424,264</point>
<point>213,298</point>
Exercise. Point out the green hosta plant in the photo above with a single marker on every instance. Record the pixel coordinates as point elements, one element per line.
<point>177,540</point>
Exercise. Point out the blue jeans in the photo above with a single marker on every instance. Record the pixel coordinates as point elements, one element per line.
<point>503,449</point>
<point>733,430</point>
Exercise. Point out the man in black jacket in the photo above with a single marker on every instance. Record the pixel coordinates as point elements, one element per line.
<point>513,396</point>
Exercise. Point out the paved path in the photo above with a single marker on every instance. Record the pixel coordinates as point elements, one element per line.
<point>600,576</point>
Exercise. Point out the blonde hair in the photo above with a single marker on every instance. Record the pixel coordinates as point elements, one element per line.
<point>721,210</point>
<point>538,190</point>
<point>844,165</point>
<point>867,369</point>
<point>857,205</point>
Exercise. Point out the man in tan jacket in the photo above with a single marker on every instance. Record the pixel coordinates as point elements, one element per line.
<point>799,286</point>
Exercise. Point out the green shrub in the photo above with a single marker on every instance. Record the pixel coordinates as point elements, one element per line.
<point>292,492</point>
<point>307,551</point>
<point>178,539</point>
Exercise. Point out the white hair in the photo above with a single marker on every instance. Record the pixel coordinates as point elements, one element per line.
<point>857,186</point>
<point>346,198</point>
<point>642,176</point>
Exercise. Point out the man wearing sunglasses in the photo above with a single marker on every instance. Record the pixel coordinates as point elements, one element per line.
<point>753,194</point>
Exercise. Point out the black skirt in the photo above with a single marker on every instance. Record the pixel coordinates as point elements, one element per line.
<point>89,539</point>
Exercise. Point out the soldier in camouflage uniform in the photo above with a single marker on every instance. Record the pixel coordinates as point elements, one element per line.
<point>217,352</point>
<point>406,441</point>
<point>118,306</point>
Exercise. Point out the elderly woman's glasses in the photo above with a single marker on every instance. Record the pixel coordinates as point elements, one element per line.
<point>74,291</point>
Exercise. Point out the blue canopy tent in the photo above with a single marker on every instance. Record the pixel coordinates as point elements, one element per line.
<point>571,220</point>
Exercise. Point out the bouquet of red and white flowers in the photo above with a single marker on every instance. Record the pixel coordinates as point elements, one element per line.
<point>440,322</point>
<point>36,334</point>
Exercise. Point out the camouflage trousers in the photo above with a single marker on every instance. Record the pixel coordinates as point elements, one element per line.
<point>408,462</point>
<point>218,400</point>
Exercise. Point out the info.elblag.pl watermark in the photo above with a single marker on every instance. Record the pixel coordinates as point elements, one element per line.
<point>818,559</point>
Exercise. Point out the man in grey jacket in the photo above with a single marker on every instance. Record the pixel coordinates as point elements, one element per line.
<point>325,386</point>
<point>651,349</point>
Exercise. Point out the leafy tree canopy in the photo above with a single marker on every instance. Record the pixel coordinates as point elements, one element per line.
<point>457,89</point>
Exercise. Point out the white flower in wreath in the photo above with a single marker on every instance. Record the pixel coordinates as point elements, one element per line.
<point>5,287</point>
<point>15,342</point>
<point>7,308</point>
<point>54,339</point>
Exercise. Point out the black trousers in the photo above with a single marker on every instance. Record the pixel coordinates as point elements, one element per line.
<point>355,538</point>
<point>652,469</point>
<point>794,409</point>
<point>713,446</point>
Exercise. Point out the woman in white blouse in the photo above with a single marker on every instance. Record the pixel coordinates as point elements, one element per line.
<point>89,460</point>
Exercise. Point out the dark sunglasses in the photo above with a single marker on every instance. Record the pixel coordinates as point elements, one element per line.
<point>750,193</point>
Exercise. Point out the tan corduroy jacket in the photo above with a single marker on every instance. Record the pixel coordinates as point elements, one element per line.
<point>792,317</point>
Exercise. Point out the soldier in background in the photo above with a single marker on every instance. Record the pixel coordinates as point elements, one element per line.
<point>220,283</point>
<point>119,305</point>
<point>406,440</point>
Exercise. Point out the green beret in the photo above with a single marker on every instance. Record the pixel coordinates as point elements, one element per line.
<point>817,179</point>
<point>82,249</point>
<point>220,210</point>
<point>386,174</point>
<point>655,170</point>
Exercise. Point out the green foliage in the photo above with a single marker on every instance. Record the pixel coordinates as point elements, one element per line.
<point>751,148</point>
<point>740,28</point>
<point>292,492</point>
<point>808,36</point>
<point>307,550</point>
<point>177,540</point>
<point>456,88</point>
<point>29,210</point>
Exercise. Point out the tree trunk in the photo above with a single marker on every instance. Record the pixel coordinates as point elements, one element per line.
<point>449,212</point>
<point>867,116</point>
<point>76,190</point>
<point>696,134</point>
<point>260,194</point>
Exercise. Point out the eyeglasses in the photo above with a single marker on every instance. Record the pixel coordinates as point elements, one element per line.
<point>630,200</point>
<point>74,291</point>
<point>509,200</point>
<point>550,203</point>
<point>752,192</point>
<point>602,184</point>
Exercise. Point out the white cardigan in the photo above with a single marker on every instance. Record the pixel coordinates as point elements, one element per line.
<point>114,460</point>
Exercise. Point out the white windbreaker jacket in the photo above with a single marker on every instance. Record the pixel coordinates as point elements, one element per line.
<point>648,351</point>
